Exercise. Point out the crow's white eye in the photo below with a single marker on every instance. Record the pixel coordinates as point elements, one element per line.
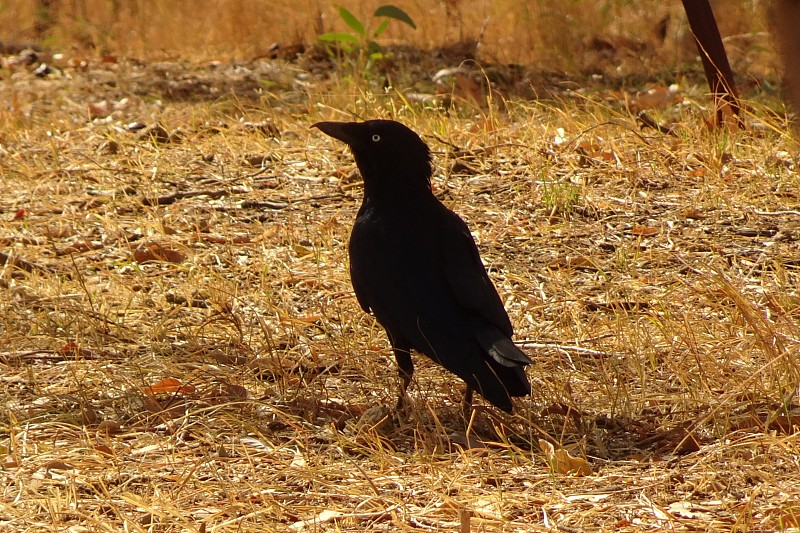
<point>376,138</point>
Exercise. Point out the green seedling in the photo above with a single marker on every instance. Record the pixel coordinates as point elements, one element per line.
<point>363,39</point>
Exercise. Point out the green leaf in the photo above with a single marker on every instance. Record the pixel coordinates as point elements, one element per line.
<point>380,29</point>
<point>338,37</point>
<point>394,12</point>
<point>352,21</point>
<point>373,48</point>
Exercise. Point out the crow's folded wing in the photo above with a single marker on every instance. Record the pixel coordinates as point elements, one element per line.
<point>467,277</point>
<point>358,288</point>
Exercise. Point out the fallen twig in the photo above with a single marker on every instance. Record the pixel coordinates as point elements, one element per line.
<point>174,197</point>
<point>566,348</point>
<point>646,121</point>
<point>48,355</point>
<point>776,213</point>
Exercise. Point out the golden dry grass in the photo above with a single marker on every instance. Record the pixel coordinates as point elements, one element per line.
<point>181,351</point>
<point>550,35</point>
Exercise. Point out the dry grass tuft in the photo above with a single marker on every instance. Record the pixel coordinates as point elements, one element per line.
<point>180,348</point>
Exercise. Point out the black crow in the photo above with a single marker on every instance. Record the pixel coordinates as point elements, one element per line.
<point>415,266</point>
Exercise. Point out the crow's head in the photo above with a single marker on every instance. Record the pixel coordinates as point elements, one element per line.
<point>390,156</point>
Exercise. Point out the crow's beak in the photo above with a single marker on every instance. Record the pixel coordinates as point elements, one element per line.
<point>347,132</point>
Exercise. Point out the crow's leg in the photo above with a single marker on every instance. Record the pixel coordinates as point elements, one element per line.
<point>405,367</point>
<point>466,407</point>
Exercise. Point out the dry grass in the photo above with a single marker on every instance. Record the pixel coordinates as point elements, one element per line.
<point>552,35</point>
<point>197,361</point>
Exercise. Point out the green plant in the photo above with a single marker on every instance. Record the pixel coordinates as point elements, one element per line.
<point>561,198</point>
<point>363,38</point>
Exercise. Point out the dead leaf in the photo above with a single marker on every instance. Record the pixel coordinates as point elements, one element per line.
<point>659,96</point>
<point>562,462</point>
<point>56,464</point>
<point>78,247</point>
<point>103,449</point>
<point>323,517</point>
<point>690,510</point>
<point>302,251</point>
<point>73,350</point>
<point>311,319</point>
<point>376,418</point>
<point>226,392</point>
<point>59,232</point>
<point>578,262</point>
<point>790,518</point>
<point>109,427</point>
<point>591,153</point>
<point>643,231</point>
<point>157,134</point>
<point>678,440</point>
<point>698,172</point>
<point>459,82</point>
<point>99,109</point>
<point>299,461</point>
<point>266,128</point>
<point>693,213</point>
<point>148,252</point>
<point>785,424</point>
<point>489,508</point>
<point>168,386</point>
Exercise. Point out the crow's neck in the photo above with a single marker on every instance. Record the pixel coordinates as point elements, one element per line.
<point>403,184</point>
<point>406,179</point>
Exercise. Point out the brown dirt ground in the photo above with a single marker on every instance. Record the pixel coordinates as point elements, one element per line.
<point>180,348</point>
